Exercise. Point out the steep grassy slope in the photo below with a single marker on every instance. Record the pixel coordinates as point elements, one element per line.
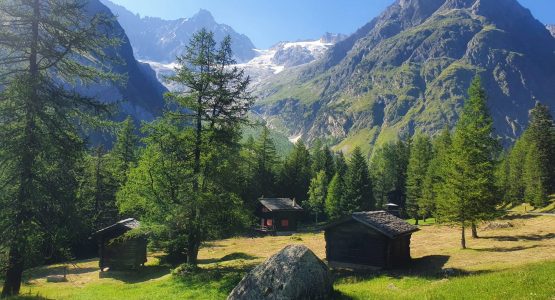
<point>408,70</point>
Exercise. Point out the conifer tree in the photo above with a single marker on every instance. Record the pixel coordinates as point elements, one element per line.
<point>535,177</point>
<point>296,173</point>
<point>469,190</point>
<point>436,174</point>
<point>124,153</point>
<point>358,185</point>
<point>335,198</point>
<point>265,157</point>
<point>45,48</point>
<point>420,156</point>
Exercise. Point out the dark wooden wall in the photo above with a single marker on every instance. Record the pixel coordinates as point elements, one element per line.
<point>121,255</point>
<point>355,243</point>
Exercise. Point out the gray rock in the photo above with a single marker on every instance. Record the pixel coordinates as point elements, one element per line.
<point>293,273</point>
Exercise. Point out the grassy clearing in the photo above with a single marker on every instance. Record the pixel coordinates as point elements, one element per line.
<point>515,262</point>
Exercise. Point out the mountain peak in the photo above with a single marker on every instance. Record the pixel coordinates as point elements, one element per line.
<point>204,15</point>
<point>551,29</point>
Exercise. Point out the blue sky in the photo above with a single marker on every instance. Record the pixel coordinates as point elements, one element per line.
<point>266,22</point>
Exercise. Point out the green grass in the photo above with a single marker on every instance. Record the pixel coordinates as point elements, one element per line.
<point>429,221</point>
<point>530,282</point>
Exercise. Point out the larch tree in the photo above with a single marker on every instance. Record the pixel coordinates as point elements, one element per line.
<point>46,47</point>
<point>265,158</point>
<point>335,198</point>
<point>190,163</point>
<point>469,190</point>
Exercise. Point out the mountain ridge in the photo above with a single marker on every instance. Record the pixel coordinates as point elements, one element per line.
<point>161,41</point>
<point>408,70</point>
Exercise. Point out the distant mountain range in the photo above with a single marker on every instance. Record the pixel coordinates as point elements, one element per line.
<point>408,70</point>
<point>161,41</point>
<point>141,95</point>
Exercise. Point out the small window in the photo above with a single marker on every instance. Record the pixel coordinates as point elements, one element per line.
<point>269,222</point>
<point>285,223</point>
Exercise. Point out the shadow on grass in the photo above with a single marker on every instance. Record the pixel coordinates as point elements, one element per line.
<point>229,257</point>
<point>429,267</point>
<point>516,238</point>
<point>508,249</point>
<point>222,278</point>
<point>143,274</point>
<point>28,297</point>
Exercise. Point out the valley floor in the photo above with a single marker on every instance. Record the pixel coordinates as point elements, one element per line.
<point>513,259</point>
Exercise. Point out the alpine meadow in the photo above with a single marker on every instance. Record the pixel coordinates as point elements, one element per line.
<point>388,149</point>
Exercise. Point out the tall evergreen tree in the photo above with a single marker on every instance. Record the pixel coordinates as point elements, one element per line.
<point>124,153</point>
<point>469,191</point>
<point>208,109</point>
<point>436,174</point>
<point>535,177</point>
<point>335,198</point>
<point>266,158</point>
<point>44,47</point>
<point>322,160</point>
<point>296,173</point>
<point>420,156</point>
<point>358,191</point>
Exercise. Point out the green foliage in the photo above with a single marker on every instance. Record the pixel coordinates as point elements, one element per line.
<point>358,185</point>
<point>469,191</point>
<point>296,173</point>
<point>45,50</point>
<point>317,194</point>
<point>187,180</point>
<point>389,173</point>
<point>335,198</point>
<point>419,161</point>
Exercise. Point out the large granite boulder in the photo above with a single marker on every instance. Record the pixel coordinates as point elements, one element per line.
<point>293,273</point>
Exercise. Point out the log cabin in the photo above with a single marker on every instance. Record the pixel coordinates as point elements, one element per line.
<point>120,252</point>
<point>374,239</point>
<point>279,214</point>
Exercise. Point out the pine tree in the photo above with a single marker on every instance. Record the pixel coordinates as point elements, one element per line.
<point>45,47</point>
<point>335,198</point>
<point>469,192</point>
<point>535,177</point>
<point>317,194</point>
<point>420,156</point>
<point>124,153</point>
<point>322,160</point>
<point>358,192</point>
<point>296,173</point>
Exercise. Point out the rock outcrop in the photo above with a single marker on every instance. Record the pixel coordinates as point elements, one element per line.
<point>293,273</point>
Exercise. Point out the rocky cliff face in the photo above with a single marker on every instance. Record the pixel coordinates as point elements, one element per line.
<point>408,70</point>
<point>159,40</point>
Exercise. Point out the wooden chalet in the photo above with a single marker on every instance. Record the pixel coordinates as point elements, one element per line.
<point>375,239</point>
<point>279,214</point>
<point>119,252</point>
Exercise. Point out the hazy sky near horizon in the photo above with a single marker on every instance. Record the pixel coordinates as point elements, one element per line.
<point>267,22</point>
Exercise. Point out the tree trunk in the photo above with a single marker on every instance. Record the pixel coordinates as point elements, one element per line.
<point>192,251</point>
<point>474,231</point>
<point>14,272</point>
<point>416,220</point>
<point>463,239</point>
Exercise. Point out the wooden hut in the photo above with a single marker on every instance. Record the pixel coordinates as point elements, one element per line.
<point>120,252</point>
<point>279,214</point>
<point>376,239</point>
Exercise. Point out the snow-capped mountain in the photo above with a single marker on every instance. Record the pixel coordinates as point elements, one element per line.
<point>269,62</point>
<point>159,40</point>
<point>286,55</point>
<point>551,29</point>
